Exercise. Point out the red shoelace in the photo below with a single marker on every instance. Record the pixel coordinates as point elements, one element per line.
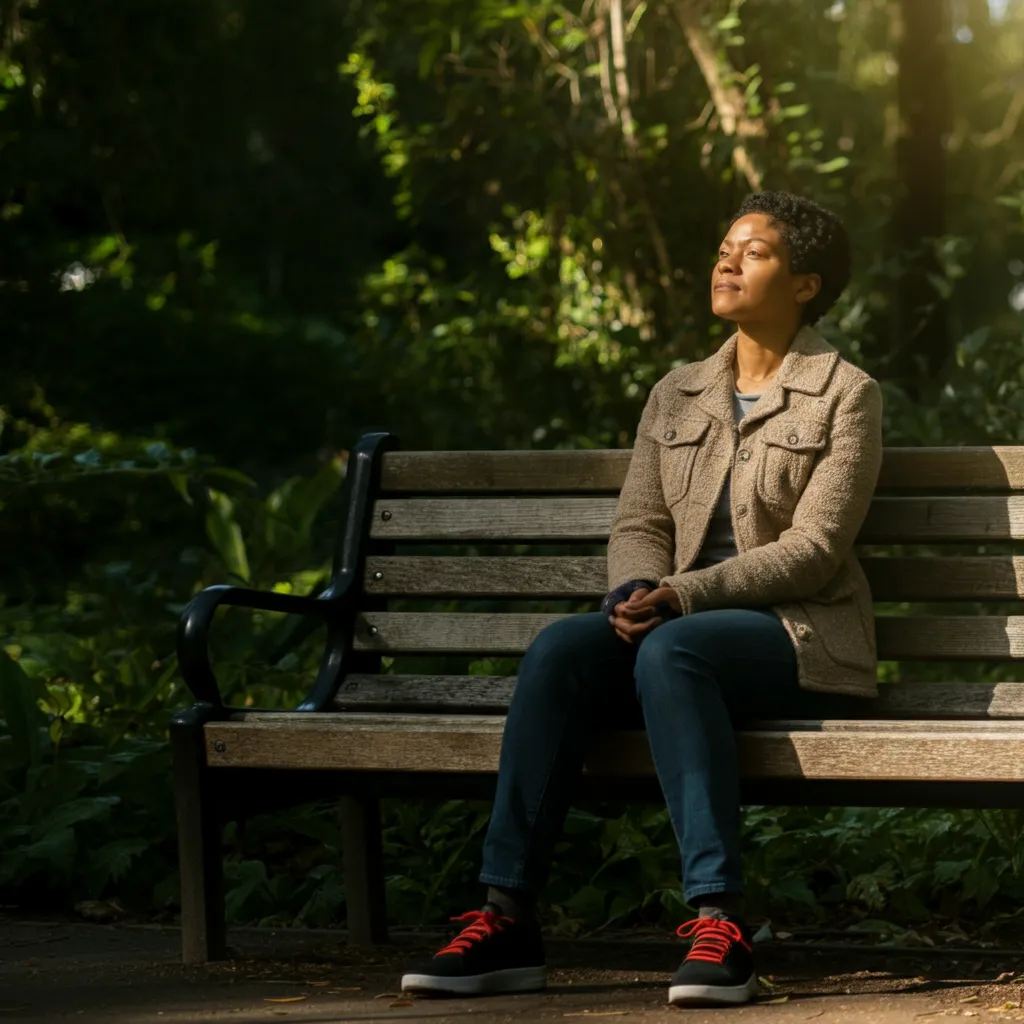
<point>712,938</point>
<point>481,924</point>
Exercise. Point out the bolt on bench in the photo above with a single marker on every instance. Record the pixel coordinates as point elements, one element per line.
<point>362,734</point>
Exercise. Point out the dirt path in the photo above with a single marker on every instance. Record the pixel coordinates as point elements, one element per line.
<point>131,975</point>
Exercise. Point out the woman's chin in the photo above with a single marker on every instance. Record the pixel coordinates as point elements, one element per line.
<point>725,305</point>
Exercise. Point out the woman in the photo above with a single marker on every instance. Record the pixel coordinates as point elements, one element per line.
<point>734,591</point>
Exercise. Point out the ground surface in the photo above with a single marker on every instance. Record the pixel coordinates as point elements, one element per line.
<point>88,973</point>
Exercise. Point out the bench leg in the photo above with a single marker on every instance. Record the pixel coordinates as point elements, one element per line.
<point>200,852</point>
<point>364,870</point>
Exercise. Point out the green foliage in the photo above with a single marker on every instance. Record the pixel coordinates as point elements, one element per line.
<point>228,240</point>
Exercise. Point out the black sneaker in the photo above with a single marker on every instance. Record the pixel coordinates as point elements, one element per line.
<point>491,954</point>
<point>719,968</point>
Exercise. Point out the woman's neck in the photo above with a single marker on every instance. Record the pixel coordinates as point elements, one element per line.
<point>759,354</point>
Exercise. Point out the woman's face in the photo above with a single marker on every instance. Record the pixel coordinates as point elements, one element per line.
<point>752,282</point>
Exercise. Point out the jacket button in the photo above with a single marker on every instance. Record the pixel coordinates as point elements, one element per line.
<point>792,439</point>
<point>741,510</point>
<point>804,632</point>
<point>670,435</point>
<point>743,455</point>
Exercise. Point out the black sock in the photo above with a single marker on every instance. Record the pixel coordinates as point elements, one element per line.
<point>520,906</point>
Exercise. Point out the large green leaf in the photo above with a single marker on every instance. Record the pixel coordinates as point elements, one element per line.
<point>23,719</point>
<point>226,535</point>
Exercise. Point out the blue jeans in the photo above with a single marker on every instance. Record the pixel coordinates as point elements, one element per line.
<point>692,676</point>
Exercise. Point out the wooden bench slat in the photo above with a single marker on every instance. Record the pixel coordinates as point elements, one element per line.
<point>914,751</point>
<point>930,578</point>
<point>491,694</point>
<point>890,520</point>
<point>981,468</point>
<point>911,638</point>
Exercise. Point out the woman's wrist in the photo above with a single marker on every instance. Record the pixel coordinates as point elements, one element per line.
<point>622,593</point>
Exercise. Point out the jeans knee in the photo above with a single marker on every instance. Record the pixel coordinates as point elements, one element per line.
<point>673,658</point>
<point>556,652</point>
<point>653,662</point>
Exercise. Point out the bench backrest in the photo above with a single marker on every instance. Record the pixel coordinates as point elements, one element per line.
<point>488,505</point>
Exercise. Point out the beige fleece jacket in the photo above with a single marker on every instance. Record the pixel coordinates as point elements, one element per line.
<point>804,461</point>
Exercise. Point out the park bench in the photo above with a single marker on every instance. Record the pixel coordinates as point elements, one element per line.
<point>362,734</point>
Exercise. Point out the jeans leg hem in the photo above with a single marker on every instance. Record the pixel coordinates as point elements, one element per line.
<point>711,890</point>
<point>504,882</point>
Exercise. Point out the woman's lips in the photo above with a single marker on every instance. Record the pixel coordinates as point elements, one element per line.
<point>724,286</point>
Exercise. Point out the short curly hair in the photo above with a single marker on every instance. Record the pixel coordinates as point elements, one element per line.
<point>816,239</point>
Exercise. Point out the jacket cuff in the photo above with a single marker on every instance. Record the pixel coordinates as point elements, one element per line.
<point>622,593</point>
<point>684,591</point>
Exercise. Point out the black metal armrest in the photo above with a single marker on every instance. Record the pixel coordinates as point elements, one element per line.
<point>197,618</point>
<point>335,606</point>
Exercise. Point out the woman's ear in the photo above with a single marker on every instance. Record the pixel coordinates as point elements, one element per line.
<point>807,286</point>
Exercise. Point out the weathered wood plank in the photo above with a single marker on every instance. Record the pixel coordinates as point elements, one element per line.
<point>950,638</point>
<point>980,469</point>
<point>454,519</point>
<point>486,576</point>
<point>936,578</point>
<point>933,638</point>
<point>930,520</point>
<point>397,743</point>
<point>890,520</point>
<point>510,471</point>
<point>986,578</point>
<point>491,694</point>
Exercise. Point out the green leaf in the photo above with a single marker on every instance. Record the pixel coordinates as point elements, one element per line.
<point>179,481</point>
<point>226,535</point>
<point>18,704</point>
<point>112,860</point>
<point>84,809</point>
<point>831,166</point>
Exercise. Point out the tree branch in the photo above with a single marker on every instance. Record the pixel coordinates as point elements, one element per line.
<point>727,98</point>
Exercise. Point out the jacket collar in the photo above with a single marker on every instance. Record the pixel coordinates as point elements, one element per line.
<point>807,368</point>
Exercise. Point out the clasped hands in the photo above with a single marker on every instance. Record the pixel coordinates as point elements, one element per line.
<point>632,620</point>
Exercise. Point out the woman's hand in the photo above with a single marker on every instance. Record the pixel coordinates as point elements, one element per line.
<point>663,596</point>
<point>634,619</point>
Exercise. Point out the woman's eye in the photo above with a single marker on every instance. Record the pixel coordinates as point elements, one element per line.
<point>722,254</point>
<point>753,252</point>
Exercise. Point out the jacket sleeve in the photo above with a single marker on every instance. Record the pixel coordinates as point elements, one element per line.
<point>826,521</point>
<point>642,541</point>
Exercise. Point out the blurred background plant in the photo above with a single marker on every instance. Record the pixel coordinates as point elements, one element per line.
<point>234,236</point>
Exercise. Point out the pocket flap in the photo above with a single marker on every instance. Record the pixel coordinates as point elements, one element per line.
<point>795,435</point>
<point>672,432</point>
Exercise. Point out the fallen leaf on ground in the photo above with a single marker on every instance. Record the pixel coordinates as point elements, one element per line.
<point>318,984</point>
<point>285,999</point>
<point>786,935</point>
<point>969,999</point>
<point>1005,976</point>
<point>388,995</point>
<point>773,1000</point>
<point>767,982</point>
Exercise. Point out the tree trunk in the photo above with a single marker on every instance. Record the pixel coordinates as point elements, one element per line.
<point>923,340</point>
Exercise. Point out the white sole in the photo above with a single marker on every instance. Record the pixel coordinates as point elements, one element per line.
<point>713,995</point>
<point>512,979</point>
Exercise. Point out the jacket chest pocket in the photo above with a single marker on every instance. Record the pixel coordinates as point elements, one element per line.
<point>678,441</point>
<point>790,448</point>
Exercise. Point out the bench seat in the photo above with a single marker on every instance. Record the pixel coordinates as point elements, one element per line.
<point>911,750</point>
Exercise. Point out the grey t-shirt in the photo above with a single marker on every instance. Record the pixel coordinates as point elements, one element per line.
<point>720,544</point>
